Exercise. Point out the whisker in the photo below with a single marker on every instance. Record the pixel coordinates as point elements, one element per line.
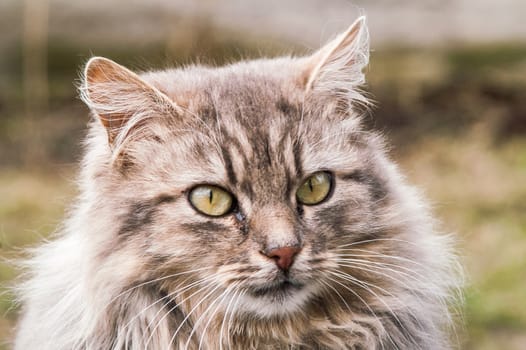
<point>386,267</point>
<point>224,319</point>
<point>423,286</point>
<point>401,282</point>
<point>207,287</point>
<point>231,317</point>
<point>213,289</point>
<point>367,286</point>
<point>365,303</point>
<point>201,317</point>
<point>374,254</point>
<point>216,310</point>
<point>176,292</point>
<point>337,293</point>
<point>154,281</point>
<point>378,240</point>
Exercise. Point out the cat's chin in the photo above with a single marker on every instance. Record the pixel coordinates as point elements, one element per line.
<point>277,299</point>
<point>277,290</point>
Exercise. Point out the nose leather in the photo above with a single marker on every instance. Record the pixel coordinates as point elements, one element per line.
<point>283,256</point>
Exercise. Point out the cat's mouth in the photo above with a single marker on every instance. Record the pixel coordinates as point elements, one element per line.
<point>278,288</point>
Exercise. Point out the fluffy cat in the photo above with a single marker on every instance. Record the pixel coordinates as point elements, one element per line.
<point>240,207</point>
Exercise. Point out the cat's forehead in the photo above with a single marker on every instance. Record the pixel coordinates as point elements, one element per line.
<point>258,84</point>
<point>253,124</point>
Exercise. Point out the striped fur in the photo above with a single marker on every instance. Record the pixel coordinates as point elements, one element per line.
<point>136,267</point>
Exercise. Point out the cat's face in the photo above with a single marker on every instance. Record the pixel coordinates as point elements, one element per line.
<point>244,183</point>
<point>263,197</point>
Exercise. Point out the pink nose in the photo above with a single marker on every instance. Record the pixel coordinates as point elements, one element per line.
<point>283,256</point>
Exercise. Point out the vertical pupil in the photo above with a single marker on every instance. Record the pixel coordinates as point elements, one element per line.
<point>310,184</point>
<point>210,196</point>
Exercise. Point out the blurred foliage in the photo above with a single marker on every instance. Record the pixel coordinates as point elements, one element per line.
<point>456,117</point>
<point>478,190</point>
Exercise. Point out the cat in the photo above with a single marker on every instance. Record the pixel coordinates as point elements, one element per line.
<point>240,207</point>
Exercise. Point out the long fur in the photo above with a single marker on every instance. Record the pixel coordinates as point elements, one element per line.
<point>135,267</point>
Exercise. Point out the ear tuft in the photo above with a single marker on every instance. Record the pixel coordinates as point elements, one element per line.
<point>338,66</point>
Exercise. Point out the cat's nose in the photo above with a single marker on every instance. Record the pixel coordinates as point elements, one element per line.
<point>283,256</point>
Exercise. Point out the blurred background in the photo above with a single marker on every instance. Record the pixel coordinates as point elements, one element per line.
<point>449,77</point>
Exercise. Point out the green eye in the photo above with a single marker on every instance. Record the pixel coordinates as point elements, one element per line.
<point>315,189</point>
<point>211,200</point>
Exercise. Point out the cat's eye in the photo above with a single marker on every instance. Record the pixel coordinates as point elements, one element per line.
<point>211,200</point>
<point>315,188</point>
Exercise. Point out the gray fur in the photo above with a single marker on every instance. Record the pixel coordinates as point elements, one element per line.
<point>137,267</point>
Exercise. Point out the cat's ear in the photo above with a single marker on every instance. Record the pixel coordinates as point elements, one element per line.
<point>119,97</point>
<point>338,66</point>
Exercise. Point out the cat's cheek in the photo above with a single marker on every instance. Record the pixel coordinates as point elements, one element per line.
<point>123,266</point>
<point>347,214</point>
<point>193,239</point>
<point>317,240</point>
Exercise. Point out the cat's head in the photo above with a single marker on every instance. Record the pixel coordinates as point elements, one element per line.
<point>252,182</point>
